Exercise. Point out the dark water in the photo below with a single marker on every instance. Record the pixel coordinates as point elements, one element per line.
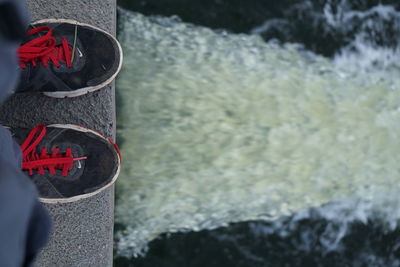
<point>282,243</point>
<point>249,244</point>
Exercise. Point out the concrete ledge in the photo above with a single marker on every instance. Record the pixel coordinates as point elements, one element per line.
<point>83,230</point>
<point>83,233</point>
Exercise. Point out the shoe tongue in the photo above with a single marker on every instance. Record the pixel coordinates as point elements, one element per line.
<point>59,53</point>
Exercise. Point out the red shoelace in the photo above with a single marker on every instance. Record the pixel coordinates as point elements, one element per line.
<point>43,49</point>
<point>34,161</point>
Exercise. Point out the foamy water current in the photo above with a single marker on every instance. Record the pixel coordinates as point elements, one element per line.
<point>218,128</point>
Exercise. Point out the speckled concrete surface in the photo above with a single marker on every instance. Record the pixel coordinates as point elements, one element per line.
<point>82,234</point>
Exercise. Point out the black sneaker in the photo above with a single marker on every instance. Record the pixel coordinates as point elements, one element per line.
<point>66,58</point>
<point>67,162</point>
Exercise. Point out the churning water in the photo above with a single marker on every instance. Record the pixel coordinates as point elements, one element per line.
<point>217,128</point>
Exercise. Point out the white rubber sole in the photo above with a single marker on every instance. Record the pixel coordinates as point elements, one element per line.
<point>83,196</point>
<point>83,91</point>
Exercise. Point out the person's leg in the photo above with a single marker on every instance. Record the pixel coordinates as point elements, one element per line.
<point>14,19</point>
<point>24,224</point>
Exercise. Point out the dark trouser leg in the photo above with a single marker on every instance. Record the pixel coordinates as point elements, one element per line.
<point>14,18</point>
<point>24,223</point>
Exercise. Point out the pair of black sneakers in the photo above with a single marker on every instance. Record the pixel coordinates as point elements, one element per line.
<point>65,58</point>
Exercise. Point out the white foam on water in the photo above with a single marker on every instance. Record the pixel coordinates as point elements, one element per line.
<point>380,22</point>
<point>363,52</point>
<point>221,128</point>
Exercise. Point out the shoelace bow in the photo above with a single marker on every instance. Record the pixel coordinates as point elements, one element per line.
<point>34,161</point>
<point>43,49</point>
